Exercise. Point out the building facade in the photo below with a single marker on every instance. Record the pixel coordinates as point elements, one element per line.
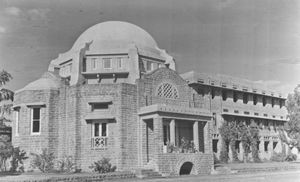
<point>116,94</point>
<point>238,100</point>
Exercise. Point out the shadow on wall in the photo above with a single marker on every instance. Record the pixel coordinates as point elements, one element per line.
<point>186,168</point>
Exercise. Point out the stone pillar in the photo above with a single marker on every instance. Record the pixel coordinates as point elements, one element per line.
<point>207,137</point>
<point>172,131</point>
<point>158,133</point>
<point>196,135</point>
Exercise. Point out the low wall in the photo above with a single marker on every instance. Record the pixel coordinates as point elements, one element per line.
<point>170,163</point>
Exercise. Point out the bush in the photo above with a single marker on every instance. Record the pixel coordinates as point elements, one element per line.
<point>17,159</point>
<point>291,157</point>
<point>66,165</point>
<point>278,157</point>
<point>44,162</point>
<point>103,166</point>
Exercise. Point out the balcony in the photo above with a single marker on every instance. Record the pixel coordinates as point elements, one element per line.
<point>99,142</point>
<point>240,109</point>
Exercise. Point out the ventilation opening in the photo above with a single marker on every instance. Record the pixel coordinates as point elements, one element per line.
<point>186,168</point>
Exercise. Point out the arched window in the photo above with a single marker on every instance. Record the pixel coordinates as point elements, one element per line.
<point>168,91</point>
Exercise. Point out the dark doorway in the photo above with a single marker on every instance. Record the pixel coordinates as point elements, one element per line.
<point>186,168</point>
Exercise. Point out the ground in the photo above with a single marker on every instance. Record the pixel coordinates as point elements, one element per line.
<point>286,176</point>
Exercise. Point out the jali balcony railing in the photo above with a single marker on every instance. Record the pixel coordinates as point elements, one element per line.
<point>99,142</point>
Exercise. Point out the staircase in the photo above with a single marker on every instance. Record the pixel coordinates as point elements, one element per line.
<point>147,173</point>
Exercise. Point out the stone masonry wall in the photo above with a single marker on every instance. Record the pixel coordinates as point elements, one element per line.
<point>46,139</point>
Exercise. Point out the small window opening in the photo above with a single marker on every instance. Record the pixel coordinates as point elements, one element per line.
<point>273,102</point>
<point>36,120</point>
<point>100,129</point>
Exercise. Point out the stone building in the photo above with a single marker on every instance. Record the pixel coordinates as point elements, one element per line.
<point>238,100</point>
<point>116,94</point>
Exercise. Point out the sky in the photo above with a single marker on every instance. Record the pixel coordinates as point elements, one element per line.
<point>258,40</point>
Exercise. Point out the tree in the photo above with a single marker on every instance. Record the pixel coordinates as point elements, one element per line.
<point>5,94</point>
<point>292,127</point>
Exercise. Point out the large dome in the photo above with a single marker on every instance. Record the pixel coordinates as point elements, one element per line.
<point>109,32</point>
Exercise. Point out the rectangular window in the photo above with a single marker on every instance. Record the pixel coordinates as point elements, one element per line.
<point>254,99</point>
<point>94,63</point>
<point>273,101</point>
<point>17,112</point>
<point>100,130</point>
<point>35,120</point>
<point>106,63</point>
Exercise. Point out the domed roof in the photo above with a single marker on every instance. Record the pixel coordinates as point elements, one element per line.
<point>114,32</point>
<point>48,81</point>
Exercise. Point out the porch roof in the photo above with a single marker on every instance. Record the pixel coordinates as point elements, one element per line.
<point>176,111</point>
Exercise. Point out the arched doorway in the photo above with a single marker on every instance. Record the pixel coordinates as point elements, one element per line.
<point>186,168</point>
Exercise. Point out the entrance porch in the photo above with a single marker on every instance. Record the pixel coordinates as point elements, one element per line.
<point>171,136</point>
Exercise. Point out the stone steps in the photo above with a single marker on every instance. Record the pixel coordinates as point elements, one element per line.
<point>147,173</point>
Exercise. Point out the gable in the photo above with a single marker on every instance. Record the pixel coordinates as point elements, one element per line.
<point>164,86</point>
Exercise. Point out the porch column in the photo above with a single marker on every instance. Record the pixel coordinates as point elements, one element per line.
<point>196,134</point>
<point>158,133</point>
<point>172,131</point>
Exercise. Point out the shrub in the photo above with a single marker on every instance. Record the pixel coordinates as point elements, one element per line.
<point>103,166</point>
<point>66,165</point>
<point>5,151</point>
<point>44,161</point>
<point>18,156</point>
<point>291,157</point>
<point>278,157</point>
